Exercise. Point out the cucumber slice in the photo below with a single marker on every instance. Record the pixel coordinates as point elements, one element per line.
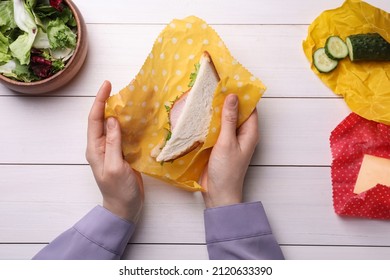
<point>335,48</point>
<point>368,47</point>
<point>322,62</point>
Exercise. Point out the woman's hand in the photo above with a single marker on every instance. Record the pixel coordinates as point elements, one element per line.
<point>120,185</point>
<point>224,176</point>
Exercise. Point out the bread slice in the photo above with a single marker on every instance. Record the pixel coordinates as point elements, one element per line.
<point>192,125</point>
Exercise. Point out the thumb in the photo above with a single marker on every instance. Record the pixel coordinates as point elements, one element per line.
<point>229,118</point>
<point>113,154</point>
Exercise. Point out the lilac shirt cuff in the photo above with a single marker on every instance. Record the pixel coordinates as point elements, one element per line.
<point>98,235</point>
<point>240,231</point>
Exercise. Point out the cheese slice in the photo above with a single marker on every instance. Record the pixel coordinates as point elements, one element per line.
<point>374,170</point>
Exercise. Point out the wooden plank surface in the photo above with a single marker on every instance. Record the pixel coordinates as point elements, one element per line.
<point>46,184</point>
<point>53,130</point>
<point>230,12</point>
<point>199,252</point>
<point>272,53</point>
<point>46,200</point>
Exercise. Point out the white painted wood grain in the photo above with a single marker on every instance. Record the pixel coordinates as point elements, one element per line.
<point>199,252</point>
<point>272,53</point>
<point>43,129</point>
<point>53,130</point>
<point>40,202</point>
<point>132,252</point>
<point>215,11</point>
<point>296,131</point>
<point>335,253</point>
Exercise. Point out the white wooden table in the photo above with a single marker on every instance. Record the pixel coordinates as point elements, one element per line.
<point>46,184</point>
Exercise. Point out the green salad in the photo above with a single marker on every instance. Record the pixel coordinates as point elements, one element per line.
<point>37,38</point>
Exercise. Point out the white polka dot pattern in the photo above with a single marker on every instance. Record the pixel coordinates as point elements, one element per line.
<point>349,141</point>
<point>141,107</point>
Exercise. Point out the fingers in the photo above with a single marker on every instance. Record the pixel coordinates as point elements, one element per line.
<point>229,120</point>
<point>248,133</point>
<point>113,158</point>
<point>96,115</point>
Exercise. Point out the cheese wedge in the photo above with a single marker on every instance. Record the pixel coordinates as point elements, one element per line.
<point>374,170</point>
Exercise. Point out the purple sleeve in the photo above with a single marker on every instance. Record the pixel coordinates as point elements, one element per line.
<point>99,235</point>
<point>240,231</point>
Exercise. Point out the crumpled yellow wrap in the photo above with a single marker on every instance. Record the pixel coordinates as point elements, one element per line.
<point>365,86</point>
<point>140,107</point>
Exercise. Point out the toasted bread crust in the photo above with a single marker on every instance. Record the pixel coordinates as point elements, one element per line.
<point>190,149</point>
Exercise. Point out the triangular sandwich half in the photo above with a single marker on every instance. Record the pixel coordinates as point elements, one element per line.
<point>190,115</point>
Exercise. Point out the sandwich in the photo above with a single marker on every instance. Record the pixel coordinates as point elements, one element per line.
<point>190,114</point>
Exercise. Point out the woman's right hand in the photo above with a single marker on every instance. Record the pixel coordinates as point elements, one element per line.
<point>223,177</point>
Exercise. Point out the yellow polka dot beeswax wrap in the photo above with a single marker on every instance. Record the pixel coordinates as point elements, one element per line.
<point>140,107</point>
<point>365,86</point>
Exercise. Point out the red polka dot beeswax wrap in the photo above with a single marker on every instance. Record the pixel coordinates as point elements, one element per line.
<point>365,86</point>
<point>140,106</point>
<point>353,140</point>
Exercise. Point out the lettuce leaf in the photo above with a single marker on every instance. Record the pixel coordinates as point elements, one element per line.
<point>193,75</point>
<point>7,15</point>
<point>8,67</point>
<point>23,73</point>
<point>24,19</point>
<point>41,40</point>
<point>67,17</point>
<point>3,43</point>
<point>4,58</point>
<point>4,53</point>
<point>21,48</point>
<point>46,12</point>
<point>60,35</point>
<point>31,3</point>
<point>13,69</point>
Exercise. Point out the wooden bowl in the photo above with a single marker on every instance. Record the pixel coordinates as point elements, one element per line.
<point>64,76</point>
